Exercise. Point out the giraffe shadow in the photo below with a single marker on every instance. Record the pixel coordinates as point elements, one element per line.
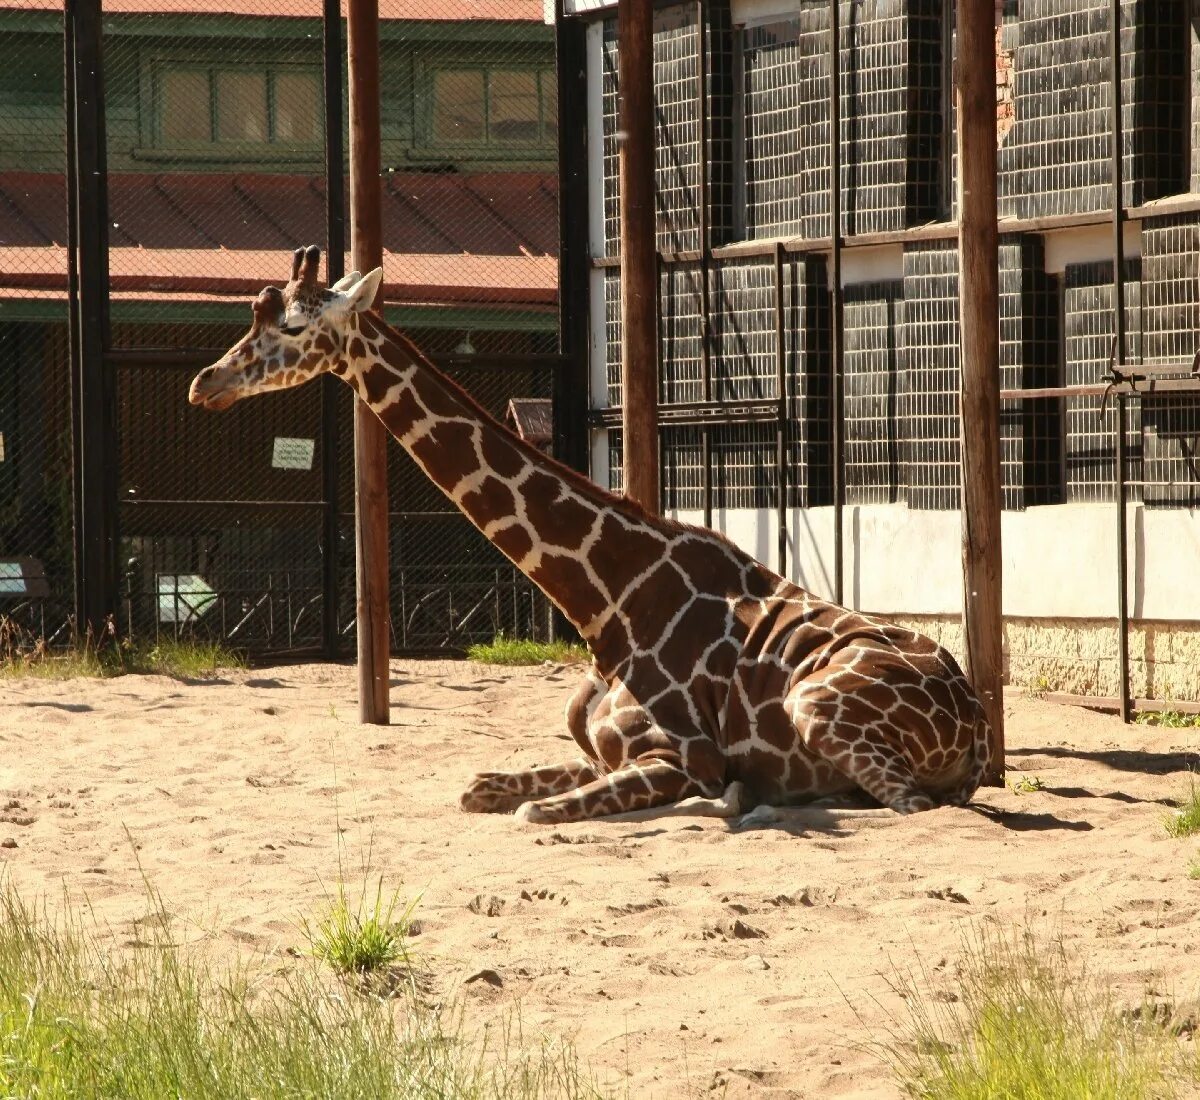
<point>1125,760</point>
<point>1025,821</point>
<point>1114,796</point>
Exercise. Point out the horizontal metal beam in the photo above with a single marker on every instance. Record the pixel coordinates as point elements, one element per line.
<point>1137,388</point>
<point>699,412</point>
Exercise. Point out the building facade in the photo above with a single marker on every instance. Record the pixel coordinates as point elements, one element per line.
<point>216,170</point>
<point>747,311</point>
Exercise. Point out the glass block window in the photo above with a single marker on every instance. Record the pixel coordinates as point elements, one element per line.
<point>681,451</point>
<point>742,307</point>
<point>1088,326</point>
<point>1056,158</point>
<point>809,371</point>
<point>1031,430</point>
<point>932,373</point>
<point>745,471</point>
<point>873,392</point>
<point>1171,320</point>
<point>892,127</point>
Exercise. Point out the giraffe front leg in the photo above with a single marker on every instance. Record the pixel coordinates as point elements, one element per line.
<point>639,785</point>
<point>503,792</point>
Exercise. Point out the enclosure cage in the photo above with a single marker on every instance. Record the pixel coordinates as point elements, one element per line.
<point>198,146</point>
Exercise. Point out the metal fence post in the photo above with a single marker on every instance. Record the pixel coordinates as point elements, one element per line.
<point>93,400</point>
<point>335,256</point>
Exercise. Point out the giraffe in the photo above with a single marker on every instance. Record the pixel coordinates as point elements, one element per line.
<point>711,674</point>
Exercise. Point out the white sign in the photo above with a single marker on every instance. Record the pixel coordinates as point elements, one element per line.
<point>11,580</point>
<point>182,597</point>
<point>292,454</point>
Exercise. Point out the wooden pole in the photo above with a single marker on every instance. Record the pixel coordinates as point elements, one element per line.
<point>979,309</point>
<point>370,437</point>
<point>639,252</point>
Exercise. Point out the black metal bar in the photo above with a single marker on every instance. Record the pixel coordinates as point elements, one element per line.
<point>782,416</point>
<point>705,244</point>
<point>569,382</point>
<point>72,298</point>
<point>335,262</point>
<point>837,382</point>
<point>275,505</point>
<point>93,391</point>
<point>1118,179</point>
<point>193,358</point>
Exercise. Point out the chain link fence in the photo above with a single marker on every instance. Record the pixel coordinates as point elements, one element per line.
<point>216,164</point>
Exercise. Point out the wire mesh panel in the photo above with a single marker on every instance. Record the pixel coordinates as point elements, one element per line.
<point>679,330</point>
<point>1171,320</point>
<point>36,554</point>
<point>742,306</point>
<point>682,457</point>
<point>1031,430</point>
<point>216,168</point>
<point>1056,159</point>
<point>1088,324</point>
<point>892,118</point>
<point>874,392</point>
<point>809,378</point>
<point>745,471</point>
<point>929,408</point>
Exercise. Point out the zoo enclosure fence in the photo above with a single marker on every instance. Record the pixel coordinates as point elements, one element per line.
<point>158,163</point>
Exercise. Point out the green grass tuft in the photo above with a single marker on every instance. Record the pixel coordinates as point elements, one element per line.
<point>1170,719</point>
<point>1193,871</point>
<point>1186,820</point>
<point>522,651</point>
<point>81,1017</point>
<point>1026,1022</point>
<point>1023,784</point>
<point>366,939</point>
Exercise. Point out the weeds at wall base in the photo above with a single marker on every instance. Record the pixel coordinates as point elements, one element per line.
<point>24,655</point>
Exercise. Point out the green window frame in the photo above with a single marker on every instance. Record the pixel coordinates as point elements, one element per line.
<point>479,106</point>
<point>215,107</point>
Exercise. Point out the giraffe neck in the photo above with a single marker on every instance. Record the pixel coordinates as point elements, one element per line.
<point>584,547</point>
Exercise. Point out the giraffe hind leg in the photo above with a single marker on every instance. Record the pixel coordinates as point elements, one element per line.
<point>864,754</point>
<point>503,792</point>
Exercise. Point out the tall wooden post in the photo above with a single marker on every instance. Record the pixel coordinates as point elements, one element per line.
<point>639,252</point>
<point>979,311</point>
<point>370,438</point>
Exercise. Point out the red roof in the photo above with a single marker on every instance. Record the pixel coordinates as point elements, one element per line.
<point>487,238</point>
<point>500,11</point>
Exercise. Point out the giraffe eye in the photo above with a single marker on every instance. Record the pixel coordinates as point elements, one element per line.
<point>292,330</point>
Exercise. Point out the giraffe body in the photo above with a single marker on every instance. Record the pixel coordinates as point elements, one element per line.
<point>709,670</point>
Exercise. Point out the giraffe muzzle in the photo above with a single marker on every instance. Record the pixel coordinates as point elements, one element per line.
<point>209,392</point>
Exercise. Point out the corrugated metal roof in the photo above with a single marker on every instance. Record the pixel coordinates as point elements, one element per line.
<point>503,11</point>
<point>463,238</point>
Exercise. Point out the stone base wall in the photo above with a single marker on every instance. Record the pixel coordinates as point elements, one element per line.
<point>1079,656</point>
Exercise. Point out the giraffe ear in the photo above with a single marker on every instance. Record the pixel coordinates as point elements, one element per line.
<point>346,282</point>
<point>361,295</point>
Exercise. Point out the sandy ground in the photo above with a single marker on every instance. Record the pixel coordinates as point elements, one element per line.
<point>682,956</point>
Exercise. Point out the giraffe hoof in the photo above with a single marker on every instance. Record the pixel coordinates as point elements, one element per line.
<point>531,814</point>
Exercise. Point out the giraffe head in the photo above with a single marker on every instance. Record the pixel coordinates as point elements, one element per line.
<point>297,333</point>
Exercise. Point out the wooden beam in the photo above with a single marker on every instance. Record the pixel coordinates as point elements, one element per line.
<point>979,311</point>
<point>639,254</point>
<point>370,436</point>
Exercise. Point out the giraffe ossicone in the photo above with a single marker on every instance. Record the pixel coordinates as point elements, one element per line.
<point>715,684</point>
